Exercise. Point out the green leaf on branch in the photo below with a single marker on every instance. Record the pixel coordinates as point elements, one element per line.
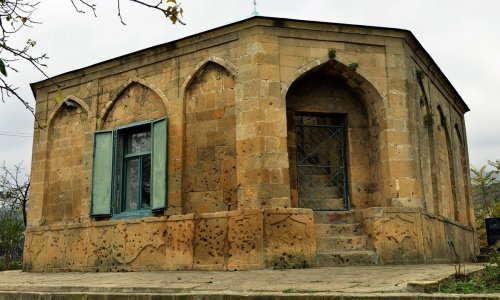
<point>3,70</point>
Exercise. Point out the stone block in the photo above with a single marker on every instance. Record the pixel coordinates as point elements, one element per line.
<point>77,247</point>
<point>107,247</point>
<point>205,202</point>
<point>145,244</point>
<point>179,252</point>
<point>246,240</point>
<point>210,241</point>
<point>289,238</point>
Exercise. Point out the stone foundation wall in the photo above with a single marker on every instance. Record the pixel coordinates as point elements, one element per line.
<point>235,240</point>
<point>402,235</point>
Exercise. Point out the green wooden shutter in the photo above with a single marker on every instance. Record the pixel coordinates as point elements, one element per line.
<point>102,174</point>
<point>159,163</point>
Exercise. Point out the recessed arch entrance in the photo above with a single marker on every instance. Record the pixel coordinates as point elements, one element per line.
<point>332,141</point>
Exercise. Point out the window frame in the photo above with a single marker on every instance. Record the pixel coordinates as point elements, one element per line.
<point>124,158</point>
<point>158,200</point>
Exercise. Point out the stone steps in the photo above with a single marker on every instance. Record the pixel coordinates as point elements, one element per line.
<point>326,192</point>
<point>355,242</point>
<point>346,258</point>
<point>339,241</point>
<point>325,230</point>
<point>333,217</point>
<point>315,180</point>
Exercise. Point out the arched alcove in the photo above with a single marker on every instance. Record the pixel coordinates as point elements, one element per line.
<point>69,101</point>
<point>462,178</point>
<point>136,100</point>
<point>209,177</point>
<point>67,128</point>
<point>447,170</point>
<point>332,138</point>
<point>201,65</point>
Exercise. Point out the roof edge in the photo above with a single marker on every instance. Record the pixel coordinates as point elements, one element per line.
<point>277,20</point>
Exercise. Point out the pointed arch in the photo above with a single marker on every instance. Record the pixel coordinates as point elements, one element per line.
<point>114,96</point>
<point>451,165</point>
<point>73,98</point>
<point>357,82</point>
<point>465,173</point>
<point>66,139</point>
<point>217,79</point>
<point>358,109</point>
<point>199,66</point>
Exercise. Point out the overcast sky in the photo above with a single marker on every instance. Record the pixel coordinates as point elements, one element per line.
<point>462,36</point>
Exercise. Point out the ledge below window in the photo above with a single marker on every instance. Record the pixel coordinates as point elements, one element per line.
<point>133,214</point>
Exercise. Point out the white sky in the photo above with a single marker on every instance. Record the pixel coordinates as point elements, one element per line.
<point>462,36</point>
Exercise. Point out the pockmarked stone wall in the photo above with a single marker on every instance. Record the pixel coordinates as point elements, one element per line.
<point>230,97</point>
<point>210,165</point>
<point>411,235</point>
<point>235,240</point>
<point>65,166</point>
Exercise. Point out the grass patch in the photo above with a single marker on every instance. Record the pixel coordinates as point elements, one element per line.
<point>485,282</point>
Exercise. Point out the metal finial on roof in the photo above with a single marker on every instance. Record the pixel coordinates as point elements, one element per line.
<point>255,13</point>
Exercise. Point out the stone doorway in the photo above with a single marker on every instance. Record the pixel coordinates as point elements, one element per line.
<point>323,97</point>
<point>321,161</point>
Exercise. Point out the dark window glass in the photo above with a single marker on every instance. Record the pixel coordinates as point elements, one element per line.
<point>146,182</point>
<point>134,168</point>
<point>140,141</point>
<point>131,184</point>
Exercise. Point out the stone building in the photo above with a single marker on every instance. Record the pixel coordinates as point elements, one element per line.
<point>265,143</point>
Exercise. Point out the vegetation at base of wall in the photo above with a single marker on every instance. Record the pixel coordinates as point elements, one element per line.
<point>12,265</point>
<point>289,261</point>
<point>486,196</point>
<point>485,282</point>
<point>332,53</point>
<point>353,66</point>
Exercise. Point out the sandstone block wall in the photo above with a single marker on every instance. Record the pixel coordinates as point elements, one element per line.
<point>226,93</point>
<point>236,240</point>
<point>411,235</point>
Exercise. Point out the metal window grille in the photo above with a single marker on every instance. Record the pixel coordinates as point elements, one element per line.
<point>321,167</point>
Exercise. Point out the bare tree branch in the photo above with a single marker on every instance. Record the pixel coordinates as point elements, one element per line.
<point>92,6</point>
<point>14,188</point>
<point>17,14</point>
<point>170,12</point>
<point>120,12</point>
<point>14,16</point>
